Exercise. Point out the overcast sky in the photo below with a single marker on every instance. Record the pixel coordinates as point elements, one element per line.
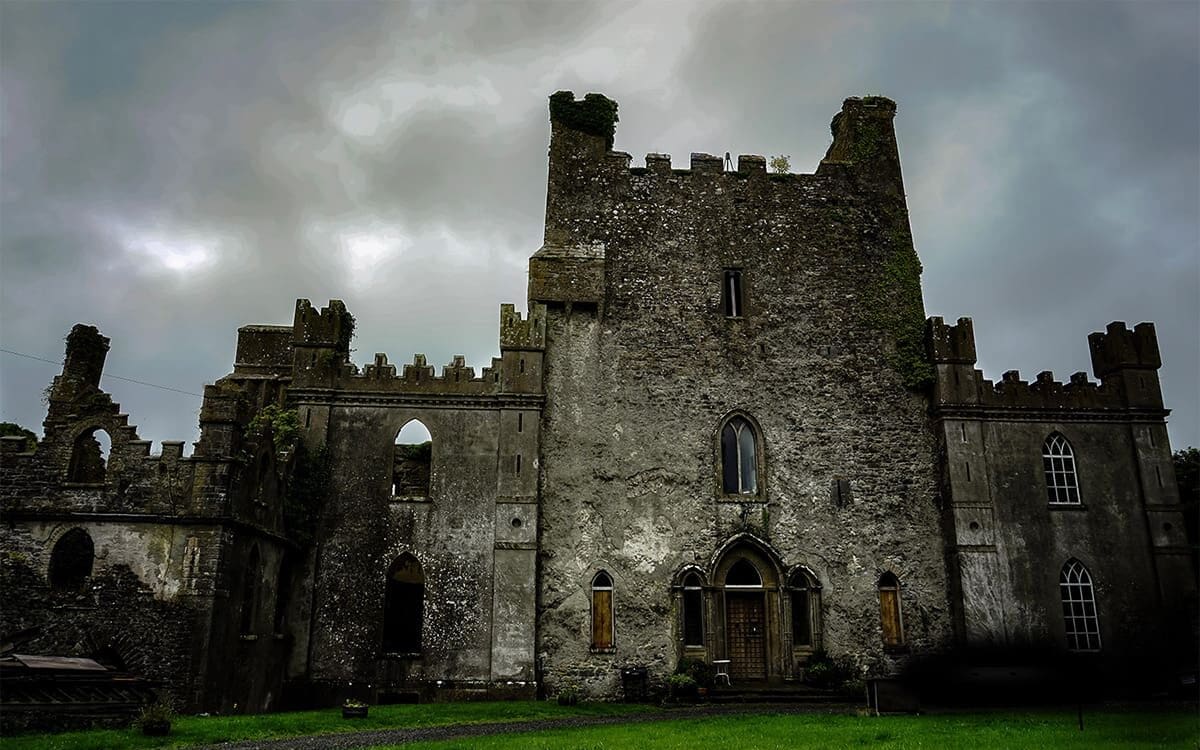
<point>173,170</point>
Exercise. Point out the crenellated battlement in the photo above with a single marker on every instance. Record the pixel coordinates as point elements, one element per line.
<point>516,333</point>
<point>1118,347</point>
<point>329,327</point>
<point>951,348</point>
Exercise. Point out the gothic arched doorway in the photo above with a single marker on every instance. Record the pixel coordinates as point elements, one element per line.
<point>747,583</point>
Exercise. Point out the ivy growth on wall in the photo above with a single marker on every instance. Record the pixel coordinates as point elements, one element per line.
<point>595,114</point>
<point>284,425</point>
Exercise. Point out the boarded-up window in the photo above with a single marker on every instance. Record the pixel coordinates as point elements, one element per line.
<point>889,611</point>
<point>602,611</point>
<point>693,611</point>
<point>404,606</point>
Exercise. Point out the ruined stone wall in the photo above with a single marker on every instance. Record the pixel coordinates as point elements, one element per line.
<point>642,366</point>
<point>473,533</point>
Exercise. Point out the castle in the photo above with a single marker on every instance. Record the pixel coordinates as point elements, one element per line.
<point>724,430</point>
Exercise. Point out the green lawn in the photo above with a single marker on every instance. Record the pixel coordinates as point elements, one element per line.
<point>202,730</point>
<point>1179,728</point>
<point>1009,730</point>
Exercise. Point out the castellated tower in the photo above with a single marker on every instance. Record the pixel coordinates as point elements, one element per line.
<point>735,458</point>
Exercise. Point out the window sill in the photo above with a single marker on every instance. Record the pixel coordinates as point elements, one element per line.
<point>896,650</point>
<point>609,650</point>
<point>396,655</point>
<point>83,485</point>
<point>1067,506</point>
<point>248,637</point>
<point>742,499</point>
<point>396,499</point>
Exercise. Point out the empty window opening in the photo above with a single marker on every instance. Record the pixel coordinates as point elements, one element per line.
<point>806,609</point>
<point>520,421</point>
<point>1058,463</point>
<point>967,466</point>
<point>283,595</point>
<point>404,606</point>
<point>693,611</point>
<point>89,457</point>
<point>250,592</point>
<point>731,293</point>
<point>889,611</point>
<point>522,364</point>
<point>602,611</point>
<point>743,575</point>
<point>71,561</point>
<point>412,458</point>
<point>739,459</point>
<point>518,463</point>
<point>1079,607</point>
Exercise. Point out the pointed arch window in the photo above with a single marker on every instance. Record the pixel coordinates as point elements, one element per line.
<point>1058,462</point>
<point>739,457</point>
<point>806,610</point>
<point>411,461</point>
<point>404,606</point>
<point>71,561</point>
<point>693,611</point>
<point>1079,607</point>
<point>743,575</point>
<point>889,611</point>
<point>602,612</point>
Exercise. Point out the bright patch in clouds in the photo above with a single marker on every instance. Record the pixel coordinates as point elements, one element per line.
<point>361,247</point>
<point>165,249</point>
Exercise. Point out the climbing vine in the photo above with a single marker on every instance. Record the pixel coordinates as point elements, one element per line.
<point>596,114</point>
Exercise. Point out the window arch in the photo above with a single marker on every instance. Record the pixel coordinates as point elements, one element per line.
<point>89,456</point>
<point>603,624</point>
<point>1058,463</point>
<point>743,575</point>
<point>806,609</point>
<point>693,611</point>
<point>1079,607</point>
<point>411,460</point>
<point>739,457</point>
<point>71,561</point>
<point>250,588</point>
<point>404,606</point>
<point>889,611</point>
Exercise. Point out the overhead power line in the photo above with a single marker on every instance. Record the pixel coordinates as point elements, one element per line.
<point>108,375</point>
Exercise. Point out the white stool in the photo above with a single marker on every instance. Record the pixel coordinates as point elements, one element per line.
<point>722,670</point>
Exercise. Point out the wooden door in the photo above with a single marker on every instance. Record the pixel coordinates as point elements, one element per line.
<point>746,634</point>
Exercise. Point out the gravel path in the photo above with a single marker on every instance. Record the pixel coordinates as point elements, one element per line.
<point>461,731</point>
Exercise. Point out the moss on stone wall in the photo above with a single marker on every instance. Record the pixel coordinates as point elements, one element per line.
<point>308,489</point>
<point>895,306</point>
<point>595,114</point>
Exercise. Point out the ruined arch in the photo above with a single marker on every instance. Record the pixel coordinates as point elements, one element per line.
<point>90,454</point>
<point>412,460</point>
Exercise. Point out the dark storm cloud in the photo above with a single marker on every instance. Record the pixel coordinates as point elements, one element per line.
<point>174,170</point>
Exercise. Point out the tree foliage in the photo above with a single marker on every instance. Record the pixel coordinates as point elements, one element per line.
<point>8,429</point>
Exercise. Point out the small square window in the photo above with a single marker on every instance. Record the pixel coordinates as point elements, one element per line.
<point>731,293</point>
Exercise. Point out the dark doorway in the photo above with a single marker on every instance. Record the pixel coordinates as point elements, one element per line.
<point>404,606</point>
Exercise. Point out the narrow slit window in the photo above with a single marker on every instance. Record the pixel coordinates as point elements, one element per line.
<point>520,421</point>
<point>732,293</point>
<point>518,463</point>
<point>967,465</point>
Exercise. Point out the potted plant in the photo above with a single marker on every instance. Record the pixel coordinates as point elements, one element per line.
<point>155,718</point>
<point>681,687</point>
<point>354,709</point>
<point>568,695</point>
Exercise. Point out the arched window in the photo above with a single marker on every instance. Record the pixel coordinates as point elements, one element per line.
<point>806,610</point>
<point>250,588</point>
<point>411,460</point>
<point>71,561</point>
<point>1079,607</point>
<point>743,575</point>
<point>1058,461</point>
<point>602,612</point>
<point>404,606</point>
<point>89,457</point>
<point>739,457</point>
<point>693,611</point>
<point>889,611</point>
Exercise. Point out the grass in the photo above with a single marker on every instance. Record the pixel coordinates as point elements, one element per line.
<point>203,730</point>
<point>1174,728</point>
<point>1058,730</point>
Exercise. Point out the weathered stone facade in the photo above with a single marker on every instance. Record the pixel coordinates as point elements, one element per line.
<point>723,431</point>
